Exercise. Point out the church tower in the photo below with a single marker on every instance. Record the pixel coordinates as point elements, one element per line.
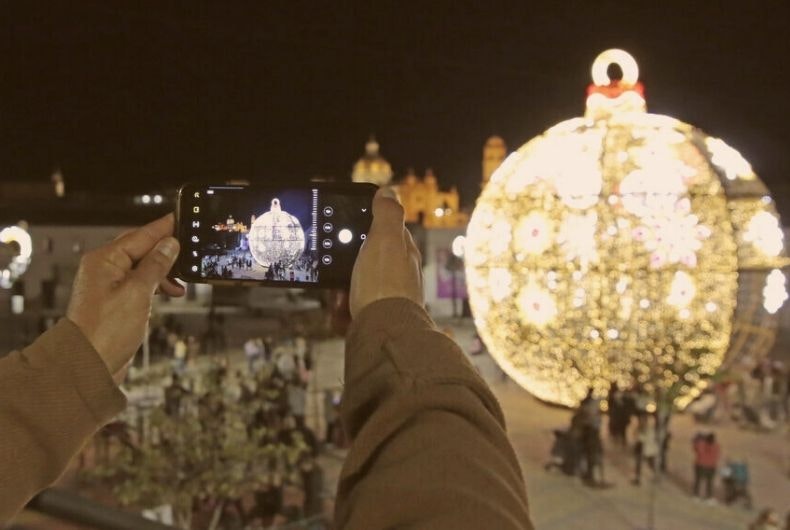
<point>494,152</point>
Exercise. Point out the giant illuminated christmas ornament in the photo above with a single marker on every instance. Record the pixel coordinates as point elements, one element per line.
<point>623,247</point>
<point>276,237</point>
<point>18,239</point>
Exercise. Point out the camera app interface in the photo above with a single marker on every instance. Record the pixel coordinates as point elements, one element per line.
<point>294,235</point>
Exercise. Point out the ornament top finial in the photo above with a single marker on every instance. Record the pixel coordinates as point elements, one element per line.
<point>623,59</point>
<point>607,96</point>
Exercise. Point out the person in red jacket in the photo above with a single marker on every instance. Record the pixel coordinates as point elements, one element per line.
<point>706,459</point>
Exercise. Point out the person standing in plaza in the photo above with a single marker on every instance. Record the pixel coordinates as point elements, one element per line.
<point>777,392</point>
<point>646,448</point>
<point>590,418</point>
<point>312,476</point>
<point>252,353</point>
<point>300,342</point>
<point>722,389</point>
<point>180,356</point>
<point>170,340</point>
<point>331,416</point>
<point>706,459</point>
<point>662,416</point>
<point>193,347</point>
<point>297,398</point>
<point>618,415</point>
<point>174,392</point>
<point>286,363</point>
<point>268,348</point>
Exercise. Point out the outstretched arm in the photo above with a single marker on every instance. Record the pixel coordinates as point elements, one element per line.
<point>429,448</point>
<point>60,390</point>
<point>53,396</point>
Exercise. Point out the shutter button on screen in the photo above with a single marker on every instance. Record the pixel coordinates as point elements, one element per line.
<point>345,236</point>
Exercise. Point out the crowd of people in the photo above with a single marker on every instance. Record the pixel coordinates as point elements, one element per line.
<point>228,265</point>
<point>269,398</point>
<point>578,450</point>
<point>756,396</point>
<point>303,269</point>
<point>239,263</point>
<point>169,340</point>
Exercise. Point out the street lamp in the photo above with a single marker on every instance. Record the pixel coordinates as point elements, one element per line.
<point>458,246</point>
<point>454,263</point>
<point>19,239</point>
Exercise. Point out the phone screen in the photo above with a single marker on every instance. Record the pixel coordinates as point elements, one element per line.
<point>301,236</point>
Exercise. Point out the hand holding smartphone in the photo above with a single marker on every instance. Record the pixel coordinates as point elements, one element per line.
<point>294,236</point>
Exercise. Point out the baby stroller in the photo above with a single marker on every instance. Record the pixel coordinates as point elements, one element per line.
<point>736,483</point>
<point>564,453</point>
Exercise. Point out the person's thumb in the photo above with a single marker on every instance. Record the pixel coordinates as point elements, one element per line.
<point>387,212</point>
<point>155,266</point>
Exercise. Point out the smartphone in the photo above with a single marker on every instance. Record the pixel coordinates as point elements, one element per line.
<point>280,236</point>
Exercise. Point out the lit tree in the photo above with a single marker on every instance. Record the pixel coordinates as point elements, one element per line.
<point>203,458</point>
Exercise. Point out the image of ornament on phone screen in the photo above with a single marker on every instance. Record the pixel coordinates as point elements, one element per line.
<point>264,235</point>
<point>296,236</point>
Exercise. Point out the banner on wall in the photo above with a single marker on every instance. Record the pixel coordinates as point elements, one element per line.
<point>449,271</point>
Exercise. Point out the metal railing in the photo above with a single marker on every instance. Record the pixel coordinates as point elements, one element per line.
<point>315,522</point>
<point>70,507</point>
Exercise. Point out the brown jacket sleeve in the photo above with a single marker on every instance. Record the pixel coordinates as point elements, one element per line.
<point>53,396</point>
<point>429,449</point>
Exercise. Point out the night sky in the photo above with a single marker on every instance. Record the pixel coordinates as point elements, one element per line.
<point>147,96</point>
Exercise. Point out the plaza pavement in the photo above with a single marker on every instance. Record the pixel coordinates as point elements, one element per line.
<point>558,502</point>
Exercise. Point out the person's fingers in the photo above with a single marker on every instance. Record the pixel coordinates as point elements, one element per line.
<point>138,243</point>
<point>104,266</point>
<point>171,288</point>
<point>124,234</point>
<point>156,265</point>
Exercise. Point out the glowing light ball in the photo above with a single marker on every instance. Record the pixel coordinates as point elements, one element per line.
<point>23,250</point>
<point>276,237</point>
<point>623,246</point>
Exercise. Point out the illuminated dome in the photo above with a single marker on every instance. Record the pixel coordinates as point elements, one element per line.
<point>623,246</point>
<point>372,167</point>
<point>276,236</point>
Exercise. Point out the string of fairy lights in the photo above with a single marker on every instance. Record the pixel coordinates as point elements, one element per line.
<point>608,249</point>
